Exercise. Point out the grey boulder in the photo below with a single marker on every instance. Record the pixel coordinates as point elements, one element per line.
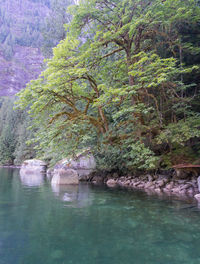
<point>65,176</point>
<point>84,164</point>
<point>33,166</point>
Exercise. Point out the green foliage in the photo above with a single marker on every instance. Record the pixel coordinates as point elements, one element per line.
<point>31,28</point>
<point>122,83</point>
<point>131,156</point>
<point>53,29</point>
<point>139,156</point>
<point>13,134</point>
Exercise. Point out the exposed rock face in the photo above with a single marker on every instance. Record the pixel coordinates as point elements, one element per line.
<point>32,172</point>
<point>81,162</point>
<point>65,176</point>
<point>50,173</point>
<point>33,167</point>
<point>20,39</point>
<point>25,65</point>
<point>84,164</point>
<point>111,183</point>
<point>197,197</point>
<point>198,182</point>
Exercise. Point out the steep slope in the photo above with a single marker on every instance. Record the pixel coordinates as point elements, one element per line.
<point>24,66</point>
<point>21,24</point>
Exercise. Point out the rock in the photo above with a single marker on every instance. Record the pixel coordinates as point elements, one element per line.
<point>127,182</point>
<point>184,186</point>
<point>33,166</point>
<point>166,190</point>
<point>84,164</point>
<point>25,65</point>
<point>65,176</point>
<point>148,185</point>
<point>141,185</point>
<point>111,183</point>
<point>150,178</point>
<point>181,181</point>
<point>158,190</point>
<point>122,179</point>
<point>198,183</point>
<point>190,190</point>
<point>197,197</point>
<point>137,183</point>
<point>160,183</point>
<point>176,190</point>
<point>182,192</point>
<point>24,62</point>
<point>190,183</point>
<point>50,173</point>
<point>169,185</point>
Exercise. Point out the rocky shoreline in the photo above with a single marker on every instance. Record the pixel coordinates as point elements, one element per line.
<point>83,168</point>
<point>158,184</point>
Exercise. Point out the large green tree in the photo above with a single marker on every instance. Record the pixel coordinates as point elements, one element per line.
<point>119,82</point>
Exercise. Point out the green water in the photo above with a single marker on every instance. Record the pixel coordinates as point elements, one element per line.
<point>93,225</point>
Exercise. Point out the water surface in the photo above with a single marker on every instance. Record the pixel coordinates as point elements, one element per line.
<point>93,225</point>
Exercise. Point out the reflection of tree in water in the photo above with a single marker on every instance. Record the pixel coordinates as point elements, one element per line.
<point>6,181</point>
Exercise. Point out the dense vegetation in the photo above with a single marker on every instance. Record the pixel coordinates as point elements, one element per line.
<point>13,134</point>
<point>125,83</point>
<point>40,26</point>
<point>33,30</point>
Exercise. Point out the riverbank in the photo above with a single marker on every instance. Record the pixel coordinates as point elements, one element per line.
<point>158,184</point>
<point>84,169</point>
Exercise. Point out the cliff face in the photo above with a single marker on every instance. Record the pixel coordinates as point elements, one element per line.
<point>20,38</point>
<point>24,66</point>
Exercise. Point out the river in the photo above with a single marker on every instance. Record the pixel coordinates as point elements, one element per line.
<point>88,224</point>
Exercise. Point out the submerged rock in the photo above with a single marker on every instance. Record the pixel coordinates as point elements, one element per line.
<point>198,183</point>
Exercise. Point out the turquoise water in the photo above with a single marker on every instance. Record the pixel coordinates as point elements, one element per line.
<point>93,225</point>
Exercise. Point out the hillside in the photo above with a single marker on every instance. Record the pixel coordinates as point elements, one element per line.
<point>20,37</point>
<point>24,26</point>
<point>28,31</point>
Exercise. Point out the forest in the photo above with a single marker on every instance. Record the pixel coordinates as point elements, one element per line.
<point>123,82</point>
<point>35,31</point>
